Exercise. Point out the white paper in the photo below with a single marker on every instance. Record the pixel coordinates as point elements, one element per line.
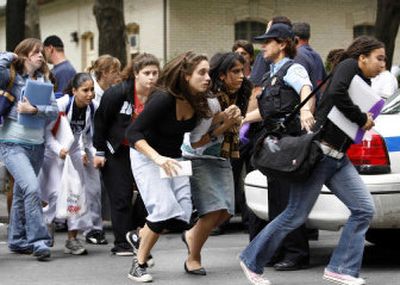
<point>185,170</point>
<point>367,99</point>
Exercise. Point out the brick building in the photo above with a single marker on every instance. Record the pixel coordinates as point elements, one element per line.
<point>169,27</point>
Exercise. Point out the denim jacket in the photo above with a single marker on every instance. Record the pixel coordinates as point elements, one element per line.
<point>47,111</point>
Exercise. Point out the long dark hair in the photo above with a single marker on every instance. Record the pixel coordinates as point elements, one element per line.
<point>290,48</point>
<point>333,58</point>
<point>77,82</point>
<point>247,46</point>
<point>362,45</point>
<point>172,80</point>
<point>220,64</point>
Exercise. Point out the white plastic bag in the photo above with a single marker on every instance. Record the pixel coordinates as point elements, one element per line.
<point>71,201</point>
<point>63,133</point>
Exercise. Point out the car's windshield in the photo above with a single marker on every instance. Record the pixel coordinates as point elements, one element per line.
<point>392,104</point>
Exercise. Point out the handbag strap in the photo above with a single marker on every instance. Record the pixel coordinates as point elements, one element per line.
<point>13,73</point>
<point>296,109</point>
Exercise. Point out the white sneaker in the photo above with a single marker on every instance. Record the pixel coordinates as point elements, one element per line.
<point>342,279</point>
<point>254,278</point>
<point>74,247</point>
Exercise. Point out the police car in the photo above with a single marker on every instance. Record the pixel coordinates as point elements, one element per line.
<point>378,161</point>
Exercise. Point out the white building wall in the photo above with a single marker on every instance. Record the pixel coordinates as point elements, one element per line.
<point>62,18</point>
<point>2,33</point>
<point>148,14</point>
<point>65,17</point>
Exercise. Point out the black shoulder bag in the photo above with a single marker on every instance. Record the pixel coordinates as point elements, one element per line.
<point>289,157</point>
<point>6,98</point>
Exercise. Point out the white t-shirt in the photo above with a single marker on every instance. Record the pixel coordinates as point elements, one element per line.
<point>203,126</point>
<point>97,89</point>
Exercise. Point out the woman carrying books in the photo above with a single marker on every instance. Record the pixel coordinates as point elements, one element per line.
<point>22,148</point>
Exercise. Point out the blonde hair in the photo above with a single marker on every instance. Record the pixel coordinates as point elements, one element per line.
<point>104,64</point>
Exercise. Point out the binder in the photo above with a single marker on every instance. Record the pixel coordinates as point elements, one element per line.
<point>38,93</point>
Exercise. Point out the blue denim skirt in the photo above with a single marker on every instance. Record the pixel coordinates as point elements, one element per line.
<point>212,186</point>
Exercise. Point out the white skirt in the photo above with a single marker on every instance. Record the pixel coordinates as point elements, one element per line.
<point>164,198</point>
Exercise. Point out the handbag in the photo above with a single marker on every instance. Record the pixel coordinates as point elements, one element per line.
<point>289,157</point>
<point>6,98</point>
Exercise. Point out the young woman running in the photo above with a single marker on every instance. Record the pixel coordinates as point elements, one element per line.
<point>156,137</point>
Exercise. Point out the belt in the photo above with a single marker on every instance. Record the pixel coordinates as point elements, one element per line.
<point>331,152</point>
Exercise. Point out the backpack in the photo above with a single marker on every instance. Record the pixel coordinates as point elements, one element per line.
<point>6,98</point>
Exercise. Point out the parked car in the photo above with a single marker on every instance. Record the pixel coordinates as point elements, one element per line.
<point>378,161</point>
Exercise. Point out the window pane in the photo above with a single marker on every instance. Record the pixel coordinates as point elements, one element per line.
<point>247,30</point>
<point>361,30</point>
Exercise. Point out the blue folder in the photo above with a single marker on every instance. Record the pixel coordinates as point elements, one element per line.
<point>38,93</point>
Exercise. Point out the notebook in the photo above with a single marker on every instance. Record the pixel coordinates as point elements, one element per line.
<point>185,170</point>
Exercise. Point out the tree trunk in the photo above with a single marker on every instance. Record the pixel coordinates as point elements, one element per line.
<point>387,26</point>
<point>32,22</point>
<point>15,23</point>
<point>111,24</point>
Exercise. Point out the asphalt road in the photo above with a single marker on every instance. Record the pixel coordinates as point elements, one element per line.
<point>381,266</point>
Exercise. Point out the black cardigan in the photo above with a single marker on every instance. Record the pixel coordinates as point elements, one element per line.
<point>337,95</point>
<point>113,117</point>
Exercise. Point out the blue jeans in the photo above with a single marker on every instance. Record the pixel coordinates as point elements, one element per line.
<point>342,179</point>
<point>27,230</point>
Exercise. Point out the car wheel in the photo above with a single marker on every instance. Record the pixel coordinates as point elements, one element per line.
<point>384,237</point>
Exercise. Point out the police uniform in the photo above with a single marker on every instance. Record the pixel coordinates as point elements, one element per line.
<point>282,86</point>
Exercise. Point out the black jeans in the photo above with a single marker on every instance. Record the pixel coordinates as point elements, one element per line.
<point>295,246</point>
<point>120,184</point>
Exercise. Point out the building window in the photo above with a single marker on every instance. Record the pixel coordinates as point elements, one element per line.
<point>89,53</point>
<point>363,30</point>
<point>133,33</point>
<point>91,43</point>
<point>247,30</point>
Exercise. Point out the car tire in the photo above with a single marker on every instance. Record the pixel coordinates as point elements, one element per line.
<point>384,237</point>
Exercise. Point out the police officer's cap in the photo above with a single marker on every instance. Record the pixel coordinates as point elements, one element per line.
<point>277,31</point>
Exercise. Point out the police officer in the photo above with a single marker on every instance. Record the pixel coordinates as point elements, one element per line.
<point>285,86</point>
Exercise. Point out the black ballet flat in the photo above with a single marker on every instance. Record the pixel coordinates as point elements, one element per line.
<point>201,271</point>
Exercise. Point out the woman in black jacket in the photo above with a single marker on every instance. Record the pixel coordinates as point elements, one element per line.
<point>365,58</point>
<point>119,105</point>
